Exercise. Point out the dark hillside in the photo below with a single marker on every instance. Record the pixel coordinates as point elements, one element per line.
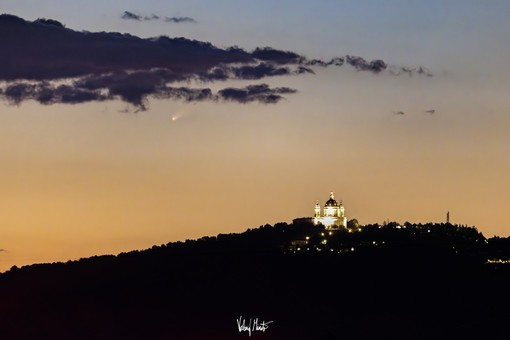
<point>383,282</point>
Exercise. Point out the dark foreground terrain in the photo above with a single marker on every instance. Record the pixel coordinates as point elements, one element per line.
<point>383,282</point>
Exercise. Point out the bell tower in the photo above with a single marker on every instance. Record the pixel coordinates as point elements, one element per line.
<point>317,210</point>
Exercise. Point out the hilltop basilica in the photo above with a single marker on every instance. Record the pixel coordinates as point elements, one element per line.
<point>332,216</point>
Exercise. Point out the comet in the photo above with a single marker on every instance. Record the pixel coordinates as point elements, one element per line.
<point>180,113</point>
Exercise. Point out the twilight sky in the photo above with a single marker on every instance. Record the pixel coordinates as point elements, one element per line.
<point>111,142</point>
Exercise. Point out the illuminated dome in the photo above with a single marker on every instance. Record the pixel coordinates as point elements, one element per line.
<point>331,202</point>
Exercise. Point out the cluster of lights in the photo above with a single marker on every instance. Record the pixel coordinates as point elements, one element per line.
<point>324,242</point>
<point>499,261</point>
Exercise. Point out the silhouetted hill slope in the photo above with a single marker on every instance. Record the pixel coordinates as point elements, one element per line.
<point>383,282</point>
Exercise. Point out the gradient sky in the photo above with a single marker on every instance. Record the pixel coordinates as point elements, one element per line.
<point>86,179</point>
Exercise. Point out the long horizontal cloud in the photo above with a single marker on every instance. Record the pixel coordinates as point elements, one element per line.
<point>127,15</point>
<point>45,93</point>
<point>77,93</point>
<point>105,65</point>
<point>131,16</point>
<point>179,20</point>
<point>261,93</point>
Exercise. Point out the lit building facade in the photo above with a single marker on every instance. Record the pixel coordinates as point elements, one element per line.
<point>332,216</point>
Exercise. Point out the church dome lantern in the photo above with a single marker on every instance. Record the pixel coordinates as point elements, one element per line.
<point>331,202</point>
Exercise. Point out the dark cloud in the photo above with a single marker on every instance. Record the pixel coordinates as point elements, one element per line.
<point>17,93</point>
<point>72,95</point>
<point>421,71</point>
<point>357,62</point>
<point>219,73</point>
<point>44,52</point>
<point>338,61</point>
<point>151,17</point>
<point>304,69</point>
<point>45,93</point>
<point>188,94</point>
<point>179,20</point>
<point>252,71</point>
<point>375,66</point>
<point>127,15</point>
<point>260,71</point>
<point>131,16</point>
<point>107,65</point>
<point>261,93</point>
<point>135,87</point>
<point>276,56</point>
<point>135,90</point>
